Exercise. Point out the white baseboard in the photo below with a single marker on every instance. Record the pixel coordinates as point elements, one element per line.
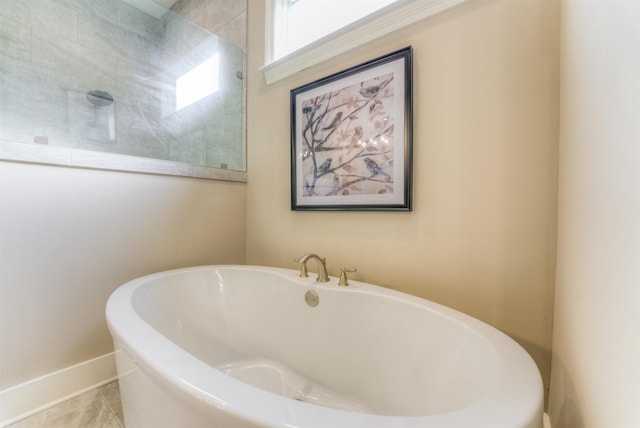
<point>28,398</point>
<point>546,422</point>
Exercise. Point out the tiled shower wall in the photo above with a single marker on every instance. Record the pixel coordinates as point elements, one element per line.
<point>52,52</point>
<point>225,18</point>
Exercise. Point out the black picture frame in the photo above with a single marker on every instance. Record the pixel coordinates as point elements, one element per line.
<point>351,138</point>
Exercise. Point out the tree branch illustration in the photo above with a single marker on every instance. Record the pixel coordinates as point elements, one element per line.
<point>359,179</point>
<point>358,155</point>
<point>323,120</point>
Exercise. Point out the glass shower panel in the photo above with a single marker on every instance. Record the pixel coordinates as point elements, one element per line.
<point>106,76</point>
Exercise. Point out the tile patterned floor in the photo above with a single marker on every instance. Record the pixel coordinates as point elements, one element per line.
<point>99,408</point>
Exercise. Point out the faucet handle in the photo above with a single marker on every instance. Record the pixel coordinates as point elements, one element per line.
<point>303,269</point>
<point>344,281</point>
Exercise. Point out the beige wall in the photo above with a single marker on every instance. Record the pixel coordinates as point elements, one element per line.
<point>69,237</point>
<point>482,234</point>
<point>596,342</point>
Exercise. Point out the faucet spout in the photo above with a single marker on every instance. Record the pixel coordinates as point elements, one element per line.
<point>323,276</point>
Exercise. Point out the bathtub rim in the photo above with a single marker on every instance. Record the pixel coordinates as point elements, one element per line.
<point>176,368</point>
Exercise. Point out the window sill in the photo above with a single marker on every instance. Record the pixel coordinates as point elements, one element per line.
<point>59,156</point>
<point>352,36</point>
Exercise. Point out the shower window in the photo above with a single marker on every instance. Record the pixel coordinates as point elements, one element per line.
<point>198,83</point>
<point>121,83</point>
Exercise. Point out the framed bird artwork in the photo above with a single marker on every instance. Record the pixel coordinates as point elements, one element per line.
<point>351,138</point>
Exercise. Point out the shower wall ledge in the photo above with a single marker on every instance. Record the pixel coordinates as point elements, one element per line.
<point>47,155</point>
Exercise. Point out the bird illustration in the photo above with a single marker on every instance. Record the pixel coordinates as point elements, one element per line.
<point>370,91</point>
<point>324,167</point>
<point>334,122</point>
<point>374,168</point>
<point>308,188</point>
<point>310,109</point>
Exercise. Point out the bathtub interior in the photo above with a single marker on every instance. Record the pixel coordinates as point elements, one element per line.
<point>359,350</point>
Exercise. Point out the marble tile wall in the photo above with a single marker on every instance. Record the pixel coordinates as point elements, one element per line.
<point>99,408</point>
<point>52,52</point>
<point>225,18</point>
<point>214,125</point>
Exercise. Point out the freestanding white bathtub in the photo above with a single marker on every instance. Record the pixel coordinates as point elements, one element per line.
<point>239,346</point>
